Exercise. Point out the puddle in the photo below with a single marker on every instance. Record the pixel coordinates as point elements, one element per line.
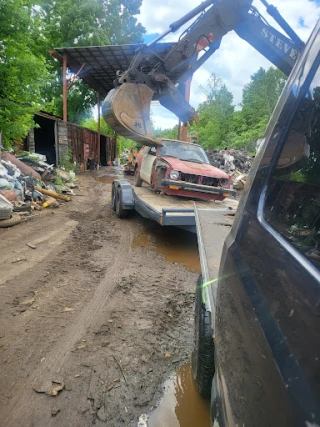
<point>176,245</point>
<point>106,176</point>
<point>181,405</point>
<point>106,179</point>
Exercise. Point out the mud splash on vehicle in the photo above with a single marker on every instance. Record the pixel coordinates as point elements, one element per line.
<point>181,405</point>
<point>177,246</point>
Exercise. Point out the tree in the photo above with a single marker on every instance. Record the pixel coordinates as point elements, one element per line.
<point>22,72</point>
<point>83,23</point>
<point>167,133</point>
<point>261,94</point>
<point>259,98</point>
<point>30,79</point>
<point>215,114</point>
<point>92,123</point>
<point>221,126</point>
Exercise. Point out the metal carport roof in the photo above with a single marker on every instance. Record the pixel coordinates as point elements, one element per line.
<point>100,63</point>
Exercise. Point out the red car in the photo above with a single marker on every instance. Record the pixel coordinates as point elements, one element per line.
<point>181,169</point>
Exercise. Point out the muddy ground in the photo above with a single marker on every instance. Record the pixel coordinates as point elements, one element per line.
<point>92,297</point>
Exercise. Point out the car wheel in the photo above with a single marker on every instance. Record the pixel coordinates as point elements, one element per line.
<point>113,197</point>
<point>137,179</point>
<point>121,213</point>
<point>203,352</point>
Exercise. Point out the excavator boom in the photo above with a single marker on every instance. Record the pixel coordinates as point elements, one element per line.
<point>156,73</point>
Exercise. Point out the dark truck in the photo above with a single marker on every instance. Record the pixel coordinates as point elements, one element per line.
<point>257,322</point>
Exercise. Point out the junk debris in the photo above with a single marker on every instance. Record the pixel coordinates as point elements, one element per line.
<point>236,163</point>
<point>230,160</point>
<point>28,183</point>
<point>52,388</point>
<point>238,179</point>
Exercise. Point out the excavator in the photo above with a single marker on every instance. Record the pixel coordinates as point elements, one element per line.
<point>160,71</point>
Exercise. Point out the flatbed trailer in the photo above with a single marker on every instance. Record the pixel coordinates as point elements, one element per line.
<point>212,227</point>
<point>166,210</point>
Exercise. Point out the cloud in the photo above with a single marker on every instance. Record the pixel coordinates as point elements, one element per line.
<point>236,60</point>
<point>163,118</point>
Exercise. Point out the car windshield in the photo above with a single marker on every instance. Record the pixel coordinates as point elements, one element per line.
<point>183,151</point>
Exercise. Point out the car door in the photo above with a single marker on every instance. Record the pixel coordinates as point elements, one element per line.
<point>148,160</point>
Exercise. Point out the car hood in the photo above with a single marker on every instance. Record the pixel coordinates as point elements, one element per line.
<point>203,169</point>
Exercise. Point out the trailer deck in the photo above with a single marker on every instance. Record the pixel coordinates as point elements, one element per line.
<point>166,210</point>
<point>174,210</point>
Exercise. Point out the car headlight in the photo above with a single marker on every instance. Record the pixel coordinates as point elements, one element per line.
<point>174,174</point>
<point>224,182</point>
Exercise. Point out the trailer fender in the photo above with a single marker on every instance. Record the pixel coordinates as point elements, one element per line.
<point>126,194</point>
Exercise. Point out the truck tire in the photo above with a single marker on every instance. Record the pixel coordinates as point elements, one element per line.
<point>121,213</point>
<point>202,360</point>
<point>137,179</point>
<point>113,196</point>
<point>10,222</point>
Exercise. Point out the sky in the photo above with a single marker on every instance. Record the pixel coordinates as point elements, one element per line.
<point>236,60</point>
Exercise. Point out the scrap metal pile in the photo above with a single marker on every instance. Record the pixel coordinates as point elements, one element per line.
<point>234,162</point>
<point>27,184</point>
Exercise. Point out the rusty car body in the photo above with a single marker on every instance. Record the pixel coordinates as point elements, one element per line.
<point>181,169</point>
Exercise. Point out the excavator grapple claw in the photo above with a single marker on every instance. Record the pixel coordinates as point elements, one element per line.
<point>127,110</point>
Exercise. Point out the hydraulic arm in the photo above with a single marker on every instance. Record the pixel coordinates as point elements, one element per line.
<point>159,73</point>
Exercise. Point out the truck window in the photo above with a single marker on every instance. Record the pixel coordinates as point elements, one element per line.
<point>293,199</point>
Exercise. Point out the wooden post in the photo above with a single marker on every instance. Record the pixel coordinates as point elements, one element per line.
<point>64,87</point>
<point>99,118</point>
<point>187,98</point>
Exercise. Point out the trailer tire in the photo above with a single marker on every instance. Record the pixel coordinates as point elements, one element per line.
<point>137,179</point>
<point>202,360</point>
<point>121,213</point>
<point>113,196</point>
<point>10,222</point>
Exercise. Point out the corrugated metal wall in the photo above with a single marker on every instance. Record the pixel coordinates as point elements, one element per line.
<point>83,142</point>
<point>85,145</point>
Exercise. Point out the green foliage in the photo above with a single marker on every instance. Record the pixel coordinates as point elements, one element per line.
<point>59,181</point>
<point>83,23</point>
<point>260,95</point>
<point>22,71</point>
<point>221,126</point>
<point>167,133</point>
<point>215,115</point>
<point>30,79</point>
<point>66,162</point>
<point>124,143</point>
<point>92,123</point>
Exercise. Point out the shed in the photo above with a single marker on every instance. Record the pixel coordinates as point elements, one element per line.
<point>55,139</point>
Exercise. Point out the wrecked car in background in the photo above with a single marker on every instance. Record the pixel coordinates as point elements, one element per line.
<point>181,169</point>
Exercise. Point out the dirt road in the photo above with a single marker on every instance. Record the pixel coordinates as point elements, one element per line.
<point>91,310</point>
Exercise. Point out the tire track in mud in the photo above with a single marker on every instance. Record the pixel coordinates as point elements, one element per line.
<point>127,302</point>
<point>25,400</point>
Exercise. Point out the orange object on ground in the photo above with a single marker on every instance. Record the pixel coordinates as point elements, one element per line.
<point>52,194</point>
